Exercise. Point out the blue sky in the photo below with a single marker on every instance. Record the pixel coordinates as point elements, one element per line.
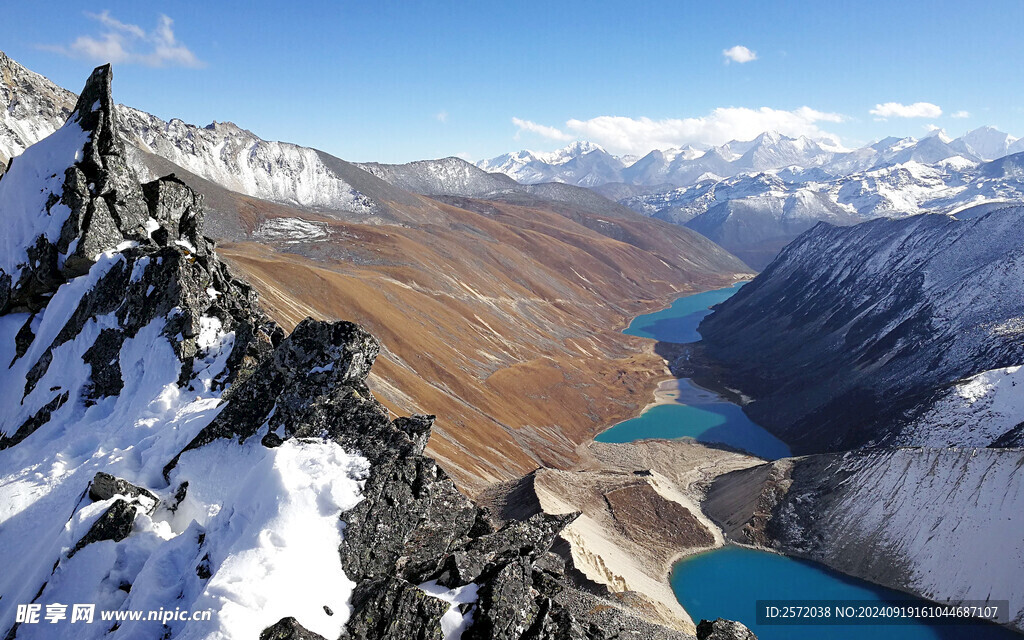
<point>399,81</point>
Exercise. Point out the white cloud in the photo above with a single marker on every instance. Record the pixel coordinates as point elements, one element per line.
<point>960,114</point>
<point>540,129</point>
<point>897,110</point>
<point>739,54</point>
<point>123,43</point>
<point>442,116</point>
<point>625,135</point>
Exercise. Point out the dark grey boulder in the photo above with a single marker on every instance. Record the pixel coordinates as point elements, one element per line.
<point>722,629</point>
<point>105,486</point>
<point>289,629</point>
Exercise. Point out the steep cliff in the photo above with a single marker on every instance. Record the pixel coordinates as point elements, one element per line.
<point>853,333</point>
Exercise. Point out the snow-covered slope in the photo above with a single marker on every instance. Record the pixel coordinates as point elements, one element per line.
<point>941,523</point>
<point>114,362</point>
<point>240,161</point>
<point>31,108</point>
<point>986,408</point>
<point>851,331</point>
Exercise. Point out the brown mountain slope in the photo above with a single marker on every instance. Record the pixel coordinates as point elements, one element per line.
<point>501,319</point>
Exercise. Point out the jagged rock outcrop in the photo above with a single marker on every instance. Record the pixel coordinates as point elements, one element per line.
<point>853,332</point>
<point>105,486</point>
<point>289,501</point>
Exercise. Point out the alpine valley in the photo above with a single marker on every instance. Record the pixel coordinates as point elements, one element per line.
<point>322,399</point>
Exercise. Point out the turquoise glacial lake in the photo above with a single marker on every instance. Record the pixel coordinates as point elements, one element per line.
<point>696,413</point>
<point>727,583</point>
<point>679,322</point>
<point>702,415</point>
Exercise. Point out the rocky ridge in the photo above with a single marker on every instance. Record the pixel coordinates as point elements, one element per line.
<point>141,368</point>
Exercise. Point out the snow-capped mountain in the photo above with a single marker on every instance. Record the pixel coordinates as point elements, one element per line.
<point>987,143</point>
<point>854,332</point>
<point>232,157</point>
<point>762,206</point>
<point>165,447</point>
<point>581,163</point>
<point>769,151</point>
<point>240,161</point>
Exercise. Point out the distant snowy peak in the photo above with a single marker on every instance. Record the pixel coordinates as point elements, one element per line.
<point>445,176</point>
<point>769,151</point>
<point>986,143</point>
<point>582,164</point>
<point>531,167</point>
<point>567,153</point>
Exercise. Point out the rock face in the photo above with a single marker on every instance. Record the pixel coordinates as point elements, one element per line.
<point>722,629</point>
<point>940,523</point>
<point>289,501</point>
<point>853,332</point>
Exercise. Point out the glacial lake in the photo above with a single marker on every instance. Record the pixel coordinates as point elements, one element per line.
<point>727,583</point>
<point>679,322</point>
<point>696,413</point>
<point>702,415</point>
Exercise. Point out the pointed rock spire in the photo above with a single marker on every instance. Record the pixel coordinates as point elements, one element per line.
<point>94,110</point>
<point>76,196</point>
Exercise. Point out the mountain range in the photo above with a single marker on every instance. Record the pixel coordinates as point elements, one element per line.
<point>168,399</point>
<point>590,165</point>
<point>754,197</point>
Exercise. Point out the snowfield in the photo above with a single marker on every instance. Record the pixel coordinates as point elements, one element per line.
<point>259,517</point>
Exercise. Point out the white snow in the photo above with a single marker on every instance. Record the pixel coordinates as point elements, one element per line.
<point>272,534</point>
<point>974,412</point>
<point>453,623</point>
<point>290,230</point>
<point>266,517</point>
<point>35,176</point>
